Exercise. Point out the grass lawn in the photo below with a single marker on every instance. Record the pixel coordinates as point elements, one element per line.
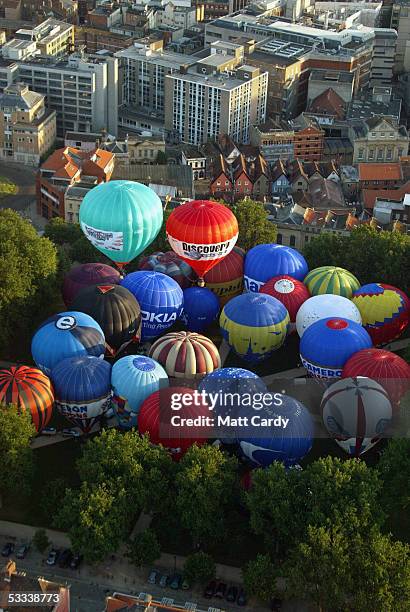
<point>7,187</point>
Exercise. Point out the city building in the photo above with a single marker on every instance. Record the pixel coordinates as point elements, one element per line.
<point>400,21</point>
<point>82,140</point>
<point>308,139</point>
<point>95,40</point>
<point>379,139</point>
<point>274,141</point>
<point>395,211</point>
<point>380,176</point>
<point>342,83</point>
<point>27,128</point>
<point>147,603</point>
<point>328,104</point>
<point>194,157</point>
<point>67,167</point>
<point>52,37</point>
<point>142,148</point>
<point>383,58</point>
<point>165,180</point>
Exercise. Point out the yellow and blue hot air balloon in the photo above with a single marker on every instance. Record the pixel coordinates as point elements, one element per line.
<point>254,325</point>
<point>331,279</point>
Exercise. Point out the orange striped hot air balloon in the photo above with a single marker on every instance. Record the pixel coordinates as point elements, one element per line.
<point>186,355</point>
<point>226,278</point>
<point>30,390</point>
<point>202,233</point>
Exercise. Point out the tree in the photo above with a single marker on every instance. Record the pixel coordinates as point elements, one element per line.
<point>60,232</point>
<point>199,567</point>
<point>254,226</point>
<point>328,492</point>
<point>17,463</point>
<point>259,578</point>
<point>205,488</point>
<point>371,255</point>
<point>40,540</point>
<point>394,470</point>
<point>82,251</point>
<point>144,549</point>
<point>52,496</point>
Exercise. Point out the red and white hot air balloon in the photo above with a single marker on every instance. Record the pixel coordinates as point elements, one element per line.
<point>202,233</point>
<point>291,292</point>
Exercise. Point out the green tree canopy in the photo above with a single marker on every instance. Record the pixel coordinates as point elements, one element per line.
<point>259,578</point>
<point>205,488</point>
<point>17,461</point>
<point>370,255</point>
<point>40,540</point>
<point>199,568</point>
<point>144,549</point>
<point>394,469</point>
<point>60,232</point>
<point>254,226</point>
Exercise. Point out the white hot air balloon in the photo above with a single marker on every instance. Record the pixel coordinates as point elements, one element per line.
<point>324,306</point>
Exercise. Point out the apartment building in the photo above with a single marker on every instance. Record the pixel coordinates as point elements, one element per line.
<point>215,96</point>
<point>52,37</point>
<point>27,128</point>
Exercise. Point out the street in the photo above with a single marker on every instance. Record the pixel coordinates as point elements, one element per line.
<point>25,179</point>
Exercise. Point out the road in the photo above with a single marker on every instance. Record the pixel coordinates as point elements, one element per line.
<point>25,179</point>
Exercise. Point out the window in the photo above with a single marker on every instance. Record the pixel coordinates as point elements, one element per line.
<point>360,154</point>
<point>371,154</point>
<point>389,154</point>
<point>279,239</point>
<point>292,240</point>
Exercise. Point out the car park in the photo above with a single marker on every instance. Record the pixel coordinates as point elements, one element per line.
<point>53,556</point>
<point>7,549</point>
<point>152,578</point>
<point>163,581</point>
<point>210,589</point>
<point>73,433</point>
<point>76,561</point>
<point>232,594</point>
<point>22,551</point>
<point>175,581</point>
<point>185,585</point>
<point>65,558</point>
<point>242,599</point>
<point>49,431</point>
<point>220,590</point>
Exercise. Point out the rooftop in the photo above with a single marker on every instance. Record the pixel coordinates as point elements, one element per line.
<point>380,172</point>
<point>19,97</point>
<point>179,176</point>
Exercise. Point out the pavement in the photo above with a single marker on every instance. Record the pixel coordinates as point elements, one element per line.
<point>25,179</point>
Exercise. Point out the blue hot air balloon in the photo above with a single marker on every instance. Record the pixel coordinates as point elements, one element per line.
<point>278,433</point>
<point>67,334</point>
<point>254,325</point>
<point>327,344</point>
<point>265,261</point>
<point>160,299</point>
<point>82,389</point>
<point>227,390</point>
<point>133,379</point>
<point>201,308</point>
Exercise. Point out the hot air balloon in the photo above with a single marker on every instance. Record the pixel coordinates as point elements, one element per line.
<point>290,292</point>
<point>160,299</point>
<point>226,278</point>
<point>202,233</point>
<point>121,218</point>
<point>388,369</point>
<point>155,414</point>
<point>329,343</point>
<point>201,307</point>
<point>30,391</point>
<point>275,441</point>
<point>170,264</point>
<point>67,334</point>
<point>265,261</point>
<point>82,388</point>
<point>325,306</point>
<point>243,386</point>
<point>133,379</point>
<point>333,280</point>
<point>186,355</point>
<point>356,413</point>
<point>254,325</point>
<point>116,310</point>
<point>385,311</point>
<point>85,275</point>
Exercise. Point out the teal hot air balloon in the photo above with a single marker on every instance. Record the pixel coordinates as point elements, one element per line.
<point>121,218</point>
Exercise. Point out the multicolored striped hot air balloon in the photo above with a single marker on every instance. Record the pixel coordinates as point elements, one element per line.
<point>170,264</point>
<point>186,355</point>
<point>331,279</point>
<point>290,292</point>
<point>385,311</point>
<point>226,278</point>
<point>254,325</point>
<point>30,391</point>
<point>202,233</point>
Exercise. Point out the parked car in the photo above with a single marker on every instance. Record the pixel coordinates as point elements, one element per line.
<point>73,433</point>
<point>185,585</point>
<point>210,589</point>
<point>163,581</point>
<point>175,581</point>
<point>242,599</point>
<point>232,594</point>
<point>49,431</point>
<point>152,578</point>
<point>221,590</point>
<point>53,556</point>
<point>22,551</point>
<point>276,604</point>
<point>76,561</point>
<point>65,558</point>
<point>7,549</point>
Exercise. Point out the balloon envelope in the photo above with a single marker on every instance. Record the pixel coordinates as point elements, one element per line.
<point>385,311</point>
<point>333,280</point>
<point>289,291</point>
<point>160,299</point>
<point>121,218</point>
<point>325,306</point>
<point>226,278</point>
<point>265,261</point>
<point>133,379</point>
<point>85,275</point>
<point>67,334</point>
<point>115,309</point>
<point>254,325</point>
<point>170,264</point>
<point>201,308</point>
<point>30,391</point>
<point>327,345</point>
<point>202,233</point>
<point>82,388</point>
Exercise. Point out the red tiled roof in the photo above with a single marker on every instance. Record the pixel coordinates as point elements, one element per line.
<point>369,196</point>
<point>330,103</point>
<point>377,172</point>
